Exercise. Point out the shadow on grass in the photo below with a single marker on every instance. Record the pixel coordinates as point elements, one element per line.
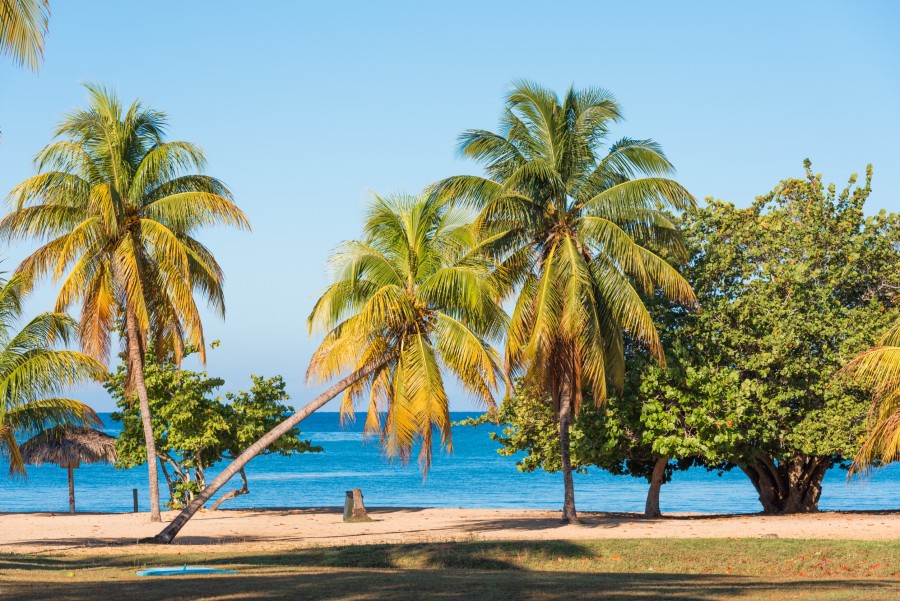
<point>445,585</point>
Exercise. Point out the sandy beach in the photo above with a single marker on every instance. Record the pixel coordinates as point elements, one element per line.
<point>272,528</point>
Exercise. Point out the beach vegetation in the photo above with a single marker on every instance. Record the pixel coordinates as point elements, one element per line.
<point>194,428</point>
<point>577,225</point>
<point>35,374</point>
<point>116,208</point>
<point>23,29</point>
<point>412,301</point>
<point>791,288</point>
<point>878,369</point>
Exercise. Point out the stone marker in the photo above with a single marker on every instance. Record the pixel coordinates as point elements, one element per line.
<point>354,510</point>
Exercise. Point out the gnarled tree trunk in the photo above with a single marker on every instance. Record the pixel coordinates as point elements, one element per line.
<point>791,486</point>
<point>169,533</point>
<point>651,507</point>
<point>136,373</point>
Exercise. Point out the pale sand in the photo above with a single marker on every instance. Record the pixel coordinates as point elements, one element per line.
<point>274,529</point>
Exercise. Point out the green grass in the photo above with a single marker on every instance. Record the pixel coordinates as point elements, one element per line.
<point>630,569</point>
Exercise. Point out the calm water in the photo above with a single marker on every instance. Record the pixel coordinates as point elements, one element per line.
<point>474,475</point>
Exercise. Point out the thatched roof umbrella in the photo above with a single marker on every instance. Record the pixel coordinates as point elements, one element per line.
<point>69,447</point>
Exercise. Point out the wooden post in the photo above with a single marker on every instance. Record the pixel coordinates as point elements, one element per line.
<point>134,495</point>
<point>354,509</point>
<point>71,488</point>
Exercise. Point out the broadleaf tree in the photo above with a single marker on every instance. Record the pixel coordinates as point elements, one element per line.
<point>791,288</point>
<point>194,428</point>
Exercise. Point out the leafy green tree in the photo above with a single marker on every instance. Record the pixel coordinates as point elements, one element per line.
<point>195,430</point>
<point>23,27</point>
<point>412,301</point>
<point>664,420</point>
<point>33,373</point>
<point>791,288</point>
<point>571,223</point>
<point>117,208</point>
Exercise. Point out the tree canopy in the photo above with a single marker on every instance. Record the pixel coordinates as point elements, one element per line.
<point>791,288</point>
<point>195,429</point>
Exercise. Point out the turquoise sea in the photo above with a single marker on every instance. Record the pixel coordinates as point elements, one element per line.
<point>474,475</point>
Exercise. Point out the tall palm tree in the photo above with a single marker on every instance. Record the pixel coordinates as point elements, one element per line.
<point>33,373</point>
<point>413,295</point>
<point>879,368</point>
<point>117,207</point>
<point>23,27</point>
<point>572,226</point>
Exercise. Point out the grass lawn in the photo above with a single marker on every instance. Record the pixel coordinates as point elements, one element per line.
<point>697,569</point>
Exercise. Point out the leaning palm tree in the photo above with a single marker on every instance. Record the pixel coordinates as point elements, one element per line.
<point>413,296</point>
<point>571,226</point>
<point>34,374</point>
<point>879,368</point>
<point>117,207</point>
<point>23,27</point>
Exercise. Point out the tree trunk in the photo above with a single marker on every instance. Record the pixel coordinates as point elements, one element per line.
<point>169,533</point>
<point>136,372</point>
<point>791,486</point>
<point>569,516</point>
<point>354,508</point>
<point>243,490</point>
<point>651,508</point>
<point>71,489</point>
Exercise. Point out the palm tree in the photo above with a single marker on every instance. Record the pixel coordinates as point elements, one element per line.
<point>413,295</point>
<point>571,227</point>
<point>879,368</point>
<point>117,207</point>
<point>23,27</point>
<point>33,374</point>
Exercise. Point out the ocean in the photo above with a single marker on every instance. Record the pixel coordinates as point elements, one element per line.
<point>473,475</point>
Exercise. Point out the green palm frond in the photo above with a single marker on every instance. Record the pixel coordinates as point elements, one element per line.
<point>34,373</point>
<point>23,27</point>
<point>879,370</point>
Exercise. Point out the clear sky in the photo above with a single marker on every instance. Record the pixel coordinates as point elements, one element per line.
<point>303,108</point>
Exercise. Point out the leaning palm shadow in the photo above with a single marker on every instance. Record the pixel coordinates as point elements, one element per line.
<point>313,584</point>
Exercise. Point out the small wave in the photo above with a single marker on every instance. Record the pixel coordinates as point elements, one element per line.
<point>315,475</point>
<point>318,437</point>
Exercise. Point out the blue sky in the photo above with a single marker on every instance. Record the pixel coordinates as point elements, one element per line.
<point>303,108</point>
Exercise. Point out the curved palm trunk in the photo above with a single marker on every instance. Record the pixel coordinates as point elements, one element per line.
<point>169,533</point>
<point>136,370</point>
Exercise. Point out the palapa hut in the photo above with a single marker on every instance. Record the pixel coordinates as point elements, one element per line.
<point>69,447</point>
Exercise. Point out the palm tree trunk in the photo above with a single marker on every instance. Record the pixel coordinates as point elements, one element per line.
<point>169,533</point>
<point>565,451</point>
<point>136,371</point>
<point>71,489</point>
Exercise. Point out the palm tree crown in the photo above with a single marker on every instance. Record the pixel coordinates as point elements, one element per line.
<point>120,206</point>
<point>33,374</point>
<point>417,291</point>
<point>573,227</point>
